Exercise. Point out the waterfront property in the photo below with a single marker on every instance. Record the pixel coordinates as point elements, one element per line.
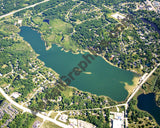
<point>105,79</point>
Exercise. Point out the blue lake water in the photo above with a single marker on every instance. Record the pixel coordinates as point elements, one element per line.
<point>147,103</point>
<point>102,79</point>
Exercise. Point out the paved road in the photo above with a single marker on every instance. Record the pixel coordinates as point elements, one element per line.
<point>95,108</point>
<point>140,85</point>
<point>136,90</point>
<point>30,6</point>
<point>28,110</point>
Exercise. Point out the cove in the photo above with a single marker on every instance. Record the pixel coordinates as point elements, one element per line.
<point>147,103</point>
<point>102,79</point>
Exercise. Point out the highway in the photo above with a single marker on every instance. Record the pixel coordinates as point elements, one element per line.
<point>140,85</point>
<point>29,111</point>
<point>30,6</point>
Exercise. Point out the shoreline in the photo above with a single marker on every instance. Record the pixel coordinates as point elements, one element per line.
<point>111,62</point>
<point>78,52</point>
<point>72,87</point>
<point>127,87</point>
<point>82,51</point>
<point>130,88</point>
<point>87,73</point>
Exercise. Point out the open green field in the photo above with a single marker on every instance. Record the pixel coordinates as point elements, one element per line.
<point>68,92</point>
<point>48,124</point>
<point>56,32</point>
<point>53,114</point>
<point>7,29</point>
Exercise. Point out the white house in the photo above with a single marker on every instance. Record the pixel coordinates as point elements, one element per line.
<point>15,95</point>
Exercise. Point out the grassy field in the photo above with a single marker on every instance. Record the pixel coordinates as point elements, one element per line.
<point>7,29</point>
<point>53,114</point>
<point>56,32</point>
<point>48,124</point>
<point>60,26</point>
<point>68,92</point>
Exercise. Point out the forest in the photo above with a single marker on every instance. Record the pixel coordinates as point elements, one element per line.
<point>13,57</point>
<point>24,120</point>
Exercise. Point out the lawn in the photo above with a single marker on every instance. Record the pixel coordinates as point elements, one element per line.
<point>60,26</point>
<point>53,114</point>
<point>68,92</point>
<point>8,28</point>
<point>56,32</point>
<point>48,124</point>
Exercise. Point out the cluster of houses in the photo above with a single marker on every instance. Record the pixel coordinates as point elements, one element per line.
<point>143,7</point>
<point>74,123</point>
<point>36,124</point>
<point>63,118</point>
<point>156,4</point>
<point>15,95</point>
<point>7,108</point>
<point>148,7</point>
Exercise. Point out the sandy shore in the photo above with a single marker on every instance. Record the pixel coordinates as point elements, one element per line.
<point>130,88</point>
<point>72,87</point>
<point>88,73</point>
<point>47,48</point>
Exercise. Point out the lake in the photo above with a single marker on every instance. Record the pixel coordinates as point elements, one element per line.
<point>152,24</point>
<point>99,77</point>
<point>147,103</point>
<point>1,101</point>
